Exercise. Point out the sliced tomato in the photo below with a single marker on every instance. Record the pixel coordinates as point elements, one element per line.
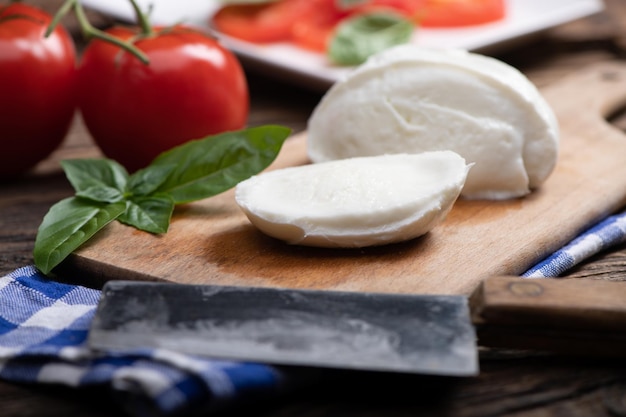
<point>409,8</point>
<point>315,30</point>
<point>440,13</point>
<point>455,13</point>
<point>311,23</point>
<point>261,23</point>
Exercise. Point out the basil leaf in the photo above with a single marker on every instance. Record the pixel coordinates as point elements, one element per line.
<point>360,37</point>
<point>147,180</point>
<point>150,214</point>
<point>146,199</point>
<point>67,225</point>
<point>212,165</point>
<point>87,173</point>
<point>101,194</point>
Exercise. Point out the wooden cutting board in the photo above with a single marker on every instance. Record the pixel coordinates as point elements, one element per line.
<point>212,242</point>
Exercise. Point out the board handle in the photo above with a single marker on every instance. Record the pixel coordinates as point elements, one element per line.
<point>593,93</point>
<point>566,315</point>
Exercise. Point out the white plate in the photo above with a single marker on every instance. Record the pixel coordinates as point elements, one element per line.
<point>524,18</point>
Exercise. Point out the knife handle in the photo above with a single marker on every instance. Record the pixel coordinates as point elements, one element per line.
<point>564,314</point>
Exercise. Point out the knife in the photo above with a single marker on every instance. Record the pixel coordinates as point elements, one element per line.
<point>406,333</point>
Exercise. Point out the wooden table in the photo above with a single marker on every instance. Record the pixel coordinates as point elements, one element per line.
<point>511,383</point>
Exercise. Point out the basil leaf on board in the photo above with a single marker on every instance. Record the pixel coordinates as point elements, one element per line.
<point>147,180</point>
<point>212,165</point>
<point>67,225</point>
<point>146,199</point>
<point>101,194</point>
<point>360,37</point>
<point>87,173</point>
<point>149,213</point>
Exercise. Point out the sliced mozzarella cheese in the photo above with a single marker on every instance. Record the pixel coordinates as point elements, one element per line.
<point>355,202</point>
<point>411,99</point>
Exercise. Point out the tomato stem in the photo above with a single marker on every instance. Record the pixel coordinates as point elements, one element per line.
<point>65,8</point>
<point>90,32</point>
<point>142,19</point>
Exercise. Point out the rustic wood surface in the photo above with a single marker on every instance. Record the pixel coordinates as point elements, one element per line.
<point>512,383</point>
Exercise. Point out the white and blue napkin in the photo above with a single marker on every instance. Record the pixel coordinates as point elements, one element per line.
<point>44,326</point>
<point>604,235</point>
<point>43,332</point>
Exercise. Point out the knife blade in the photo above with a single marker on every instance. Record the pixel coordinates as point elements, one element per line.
<point>329,329</point>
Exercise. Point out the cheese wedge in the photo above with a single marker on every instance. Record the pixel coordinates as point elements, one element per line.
<point>355,202</point>
<point>410,99</point>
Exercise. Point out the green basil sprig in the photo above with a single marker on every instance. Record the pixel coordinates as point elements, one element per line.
<point>362,36</point>
<point>145,200</point>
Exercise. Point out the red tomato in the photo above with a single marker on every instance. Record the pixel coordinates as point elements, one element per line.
<point>454,13</point>
<point>37,86</point>
<point>192,87</point>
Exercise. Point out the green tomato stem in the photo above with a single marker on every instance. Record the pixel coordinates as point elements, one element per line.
<point>142,19</point>
<point>90,32</point>
<point>63,10</point>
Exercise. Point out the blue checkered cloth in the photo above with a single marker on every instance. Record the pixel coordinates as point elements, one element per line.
<point>43,332</point>
<point>44,326</point>
<point>604,235</point>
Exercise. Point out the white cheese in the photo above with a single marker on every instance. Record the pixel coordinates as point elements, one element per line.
<point>355,202</point>
<point>410,99</point>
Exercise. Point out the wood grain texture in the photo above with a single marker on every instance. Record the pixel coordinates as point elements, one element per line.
<point>212,242</point>
<point>558,304</point>
<point>569,316</point>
